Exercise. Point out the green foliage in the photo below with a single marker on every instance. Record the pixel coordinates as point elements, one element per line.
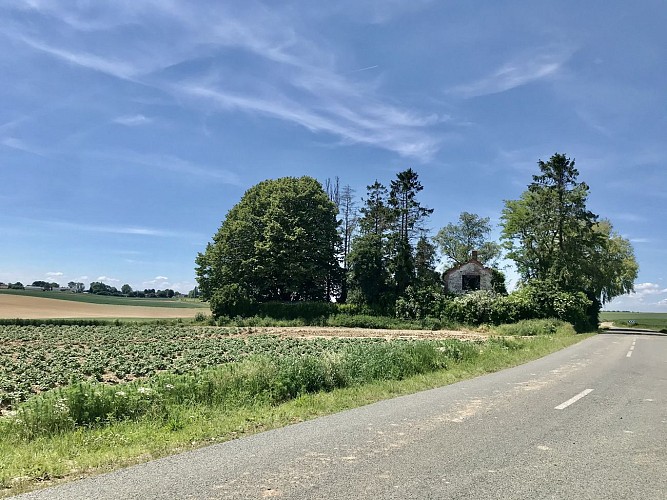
<point>232,300</point>
<point>472,308</point>
<point>533,327</point>
<point>383,258</point>
<point>612,268</point>
<point>408,212</point>
<point>425,261</point>
<point>537,300</point>
<point>369,277</point>
<point>376,215</point>
<point>99,288</point>
<point>276,372</point>
<point>277,244</point>
<point>457,241</point>
<point>421,302</point>
<point>308,311</point>
<point>549,230</point>
<point>498,282</point>
<point>554,238</point>
<point>545,300</point>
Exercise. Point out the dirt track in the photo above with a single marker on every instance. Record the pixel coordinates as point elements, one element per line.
<point>319,331</point>
<point>16,306</point>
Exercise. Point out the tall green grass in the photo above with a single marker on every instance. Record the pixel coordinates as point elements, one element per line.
<point>336,320</point>
<point>532,327</point>
<point>267,379</point>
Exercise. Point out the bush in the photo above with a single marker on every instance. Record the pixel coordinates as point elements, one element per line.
<point>537,300</point>
<point>531,327</point>
<point>232,300</point>
<point>472,308</point>
<point>420,303</point>
<point>308,311</point>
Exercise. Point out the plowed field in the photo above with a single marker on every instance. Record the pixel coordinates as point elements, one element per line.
<point>17,306</point>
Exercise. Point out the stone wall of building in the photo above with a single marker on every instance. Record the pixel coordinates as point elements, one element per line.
<point>454,277</point>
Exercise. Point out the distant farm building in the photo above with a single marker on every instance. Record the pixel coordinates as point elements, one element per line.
<point>4,285</point>
<point>468,277</point>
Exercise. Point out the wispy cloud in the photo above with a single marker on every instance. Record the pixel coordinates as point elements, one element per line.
<point>171,163</point>
<point>132,120</point>
<point>520,71</point>
<point>113,67</point>
<point>111,229</point>
<point>364,125</point>
<point>19,145</point>
<point>54,274</point>
<point>291,77</point>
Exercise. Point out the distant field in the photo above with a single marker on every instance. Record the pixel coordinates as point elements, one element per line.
<point>28,307</point>
<point>107,299</point>
<point>649,321</point>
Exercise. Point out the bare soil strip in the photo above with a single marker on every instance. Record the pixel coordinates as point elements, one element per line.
<point>16,306</point>
<point>324,331</point>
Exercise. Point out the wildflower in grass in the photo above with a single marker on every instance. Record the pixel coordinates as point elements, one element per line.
<point>168,387</point>
<point>61,406</point>
<point>144,390</point>
<point>120,394</point>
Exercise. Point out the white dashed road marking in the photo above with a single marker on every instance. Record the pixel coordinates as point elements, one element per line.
<point>573,399</point>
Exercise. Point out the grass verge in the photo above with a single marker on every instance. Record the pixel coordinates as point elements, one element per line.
<point>47,459</point>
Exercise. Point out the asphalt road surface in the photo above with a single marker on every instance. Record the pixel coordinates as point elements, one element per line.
<point>588,422</point>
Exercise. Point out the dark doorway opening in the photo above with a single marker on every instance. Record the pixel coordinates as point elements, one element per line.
<point>470,282</point>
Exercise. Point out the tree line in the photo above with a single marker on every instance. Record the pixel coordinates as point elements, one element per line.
<point>292,240</point>
<point>100,288</point>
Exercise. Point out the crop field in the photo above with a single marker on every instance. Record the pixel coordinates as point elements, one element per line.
<point>41,307</point>
<point>34,359</point>
<point>107,299</point>
<point>650,321</point>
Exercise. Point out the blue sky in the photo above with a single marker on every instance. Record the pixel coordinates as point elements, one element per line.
<point>129,128</point>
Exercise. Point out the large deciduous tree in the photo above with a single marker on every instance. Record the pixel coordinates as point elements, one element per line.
<point>549,230</point>
<point>278,243</point>
<point>553,237</point>
<point>457,241</point>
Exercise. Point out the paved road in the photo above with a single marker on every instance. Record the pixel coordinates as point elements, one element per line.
<point>589,422</point>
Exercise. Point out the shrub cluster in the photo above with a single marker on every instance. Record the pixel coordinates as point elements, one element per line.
<point>538,300</point>
<point>532,327</point>
<point>425,307</point>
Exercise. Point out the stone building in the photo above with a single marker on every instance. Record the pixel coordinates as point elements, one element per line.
<point>468,277</point>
